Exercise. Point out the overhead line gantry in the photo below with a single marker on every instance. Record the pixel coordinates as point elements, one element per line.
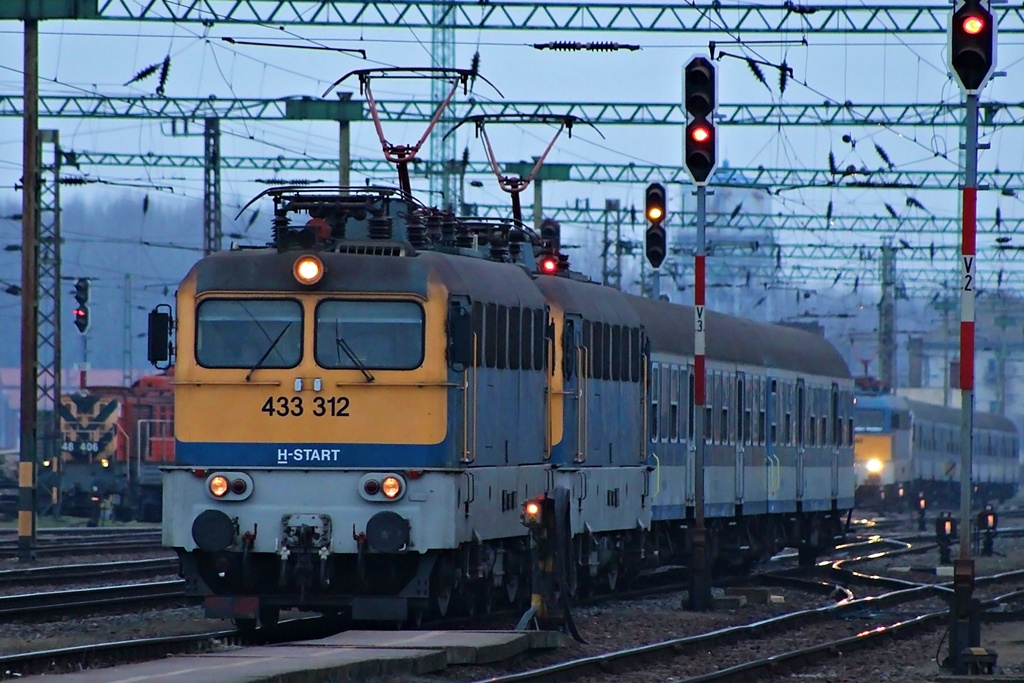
<point>648,17</point>
<point>994,114</point>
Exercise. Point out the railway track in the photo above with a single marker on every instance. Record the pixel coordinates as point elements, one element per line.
<point>33,606</point>
<point>100,571</point>
<point>865,622</point>
<point>51,545</point>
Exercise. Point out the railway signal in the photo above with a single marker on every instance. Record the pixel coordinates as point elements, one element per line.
<point>655,210</point>
<point>972,44</point>
<point>81,311</point>
<point>701,142</point>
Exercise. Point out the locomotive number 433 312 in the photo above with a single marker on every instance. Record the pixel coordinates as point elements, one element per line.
<point>323,406</point>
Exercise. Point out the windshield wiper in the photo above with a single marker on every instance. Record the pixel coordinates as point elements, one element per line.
<point>343,345</point>
<point>269,349</point>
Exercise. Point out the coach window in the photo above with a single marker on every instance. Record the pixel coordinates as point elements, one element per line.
<point>663,424</point>
<point>673,409</point>
<point>246,333</point>
<point>369,334</point>
<point>655,391</point>
<point>709,409</point>
<point>787,418</point>
<point>723,407</point>
<point>762,425</point>
<point>741,433</point>
<point>812,418</point>
<point>773,405</point>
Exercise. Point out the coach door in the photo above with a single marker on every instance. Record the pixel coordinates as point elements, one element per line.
<point>575,365</point>
<point>834,437</point>
<point>742,432</point>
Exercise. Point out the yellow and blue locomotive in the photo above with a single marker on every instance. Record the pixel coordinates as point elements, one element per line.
<point>907,451</point>
<point>364,405</point>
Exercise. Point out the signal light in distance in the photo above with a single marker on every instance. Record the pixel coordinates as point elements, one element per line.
<point>549,265</point>
<point>700,150</point>
<point>82,318</point>
<point>655,209</point>
<point>654,203</point>
<point>700,83</point>
<point>972,44</point>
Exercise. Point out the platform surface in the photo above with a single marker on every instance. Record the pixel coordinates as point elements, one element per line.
<point>349,656</point>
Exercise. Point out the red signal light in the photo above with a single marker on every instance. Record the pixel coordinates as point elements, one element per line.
<point>700,134</point>
<point>549,265</point>
<point>973,25</point>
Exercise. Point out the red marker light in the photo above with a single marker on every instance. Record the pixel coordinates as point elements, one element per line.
<point>549,265</point>
<point>973,25</point>
<point>700,134</point>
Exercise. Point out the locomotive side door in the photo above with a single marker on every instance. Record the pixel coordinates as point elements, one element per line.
<point>574,368</point>
<point>465,330</point>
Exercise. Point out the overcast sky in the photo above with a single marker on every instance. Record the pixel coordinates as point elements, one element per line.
<point>100,57</point>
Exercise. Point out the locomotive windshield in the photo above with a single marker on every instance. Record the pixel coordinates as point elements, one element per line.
<point>869,420</point>
<point>246,333</point>
<point>380,335</point>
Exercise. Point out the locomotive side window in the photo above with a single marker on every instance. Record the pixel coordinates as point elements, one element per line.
<point>616,352</point>
<point>514,337</point>
<point>383,335</point>
<point>598,355</point>
<point>501,338</point>
<point>539,335</point>
<point>637,354</point>
<point>490,335</point>
<point>478,331</point>
<point>526,340</point>
<point>246,333</point>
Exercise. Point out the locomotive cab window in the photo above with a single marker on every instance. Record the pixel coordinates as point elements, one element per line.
<point>245,333</point>
<point>380,335</point>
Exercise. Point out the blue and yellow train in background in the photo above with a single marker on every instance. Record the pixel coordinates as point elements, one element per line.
<point>907,450</point>
<point>364,405</point>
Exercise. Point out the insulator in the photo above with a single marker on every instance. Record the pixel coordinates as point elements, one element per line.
<point>280,227</point>
<point>602,47</point>
<point>565,46</point>
<point>463,235</point>
<point>414,230</point>
<point>380,227</point>
<point>515,243</point>
<point>499,248</point>
<point>434,227</point>
<point>448,229</point>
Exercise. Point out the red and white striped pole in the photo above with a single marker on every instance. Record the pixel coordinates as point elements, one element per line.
<point>700,583</point>
<point>968,284</point>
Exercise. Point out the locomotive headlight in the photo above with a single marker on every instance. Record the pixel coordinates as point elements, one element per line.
<point>218,486</point>
<point>874,466</point>
<point>391,487</point>
<point>308,269</point>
